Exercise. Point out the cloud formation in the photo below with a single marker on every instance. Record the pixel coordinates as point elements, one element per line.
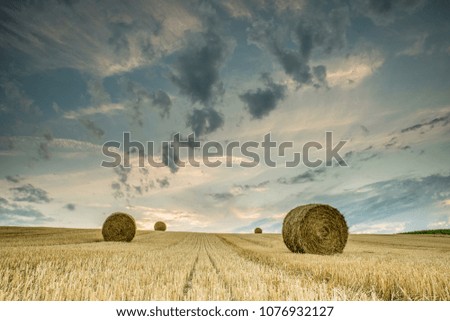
<point>262,101</point>
<point>13,214</point>
<point>314,31</point>
<point>444,120</point>
<point>311,175</point>
<point>204,121</point>
<point>70,207</point>
<point>196,70</point>
<point>92,127</point>
<point>30,193</point>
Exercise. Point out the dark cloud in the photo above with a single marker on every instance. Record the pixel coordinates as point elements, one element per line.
<point>365,130</point>
<point>121,188</point>
<point>251,187</point>
<point>308,176</point>
<point>222,196</point>
<point>162,100</point>
<point>320,73</point>
<point>444,120</point>
<point>163,183</point>
<point>196,70</point>
<point>262,101</point>
<point>383,12</point>
<point>115,186</point>
<point>169,158</point>
<point>392,142</point>
<point>43,151</point>
<point>14,214</point>
<point>138,189</point>
<point>92,127</point>
<point>123,173</point>
<point>14,179</point>
<point>30,193</point>
<point>316,31</point>
<point>48,136</point>
<point>70,207</point>
<point>204,121</point>
<point>140,100</point>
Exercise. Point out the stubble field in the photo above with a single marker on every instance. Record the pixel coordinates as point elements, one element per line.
<point>71,264</point>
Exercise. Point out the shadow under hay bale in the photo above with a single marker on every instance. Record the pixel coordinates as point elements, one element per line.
<point>160,226</point>
<point>258,230</point>
<point>315,229</point>
<point>119,227</point>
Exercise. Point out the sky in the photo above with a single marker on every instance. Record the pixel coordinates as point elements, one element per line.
<point>77,74</point>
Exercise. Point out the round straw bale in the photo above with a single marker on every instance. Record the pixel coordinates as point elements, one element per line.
<point>258,230</point>
<point>315,229</point>
<point>119,227</point>
<point>160,226</point>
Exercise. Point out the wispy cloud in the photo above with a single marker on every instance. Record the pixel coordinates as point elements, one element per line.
<point>30,193</point>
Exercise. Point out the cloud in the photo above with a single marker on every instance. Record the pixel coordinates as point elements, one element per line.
<point>222,196</point>
<point>140,100</point>
<point>92,127</point>
<point>43,151</point>
<point>315,31</point>
<point>29,193</point>
<point>14,179</point>
<point>351,70</point>
<point>204,121</point>
<point>260,187</point>
<point>70,207</point>
<point>262,101</point>
<point>98,38</point>
<point>384,12</point>
<point>163,183</point>
<point>162,100</point>
<point>382,199</point>
<point>14,214</point>
<point>169,158</point>
<point>444,120</point>
<point>308,176</point>
<point>16,104</point>
<point>196,70</point>
<point>104,109</point>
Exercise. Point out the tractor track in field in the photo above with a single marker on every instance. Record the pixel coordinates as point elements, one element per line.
<point>219,272</point>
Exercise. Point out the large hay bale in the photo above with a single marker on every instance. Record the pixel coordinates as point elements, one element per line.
<point>119,227</point>
<point>160,226</point>
<point>315,229</point>
<point>258,230</point>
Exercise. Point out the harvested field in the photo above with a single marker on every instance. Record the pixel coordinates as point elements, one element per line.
<point>69,264</point>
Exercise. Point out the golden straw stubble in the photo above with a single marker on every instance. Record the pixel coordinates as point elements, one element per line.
<point>119,227</point>
<point>160,226</point>
<point>315,229</point>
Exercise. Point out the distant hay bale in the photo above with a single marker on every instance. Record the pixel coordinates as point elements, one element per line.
<point>160,226</point>
<point>315,229</point>
<point>119,227</point>
<point>258,230</point>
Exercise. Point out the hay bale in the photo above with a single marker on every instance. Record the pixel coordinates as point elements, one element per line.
<point>160,226</point>
<point>119,227</point>
<point>315,229</point>
<point>258,230</point>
